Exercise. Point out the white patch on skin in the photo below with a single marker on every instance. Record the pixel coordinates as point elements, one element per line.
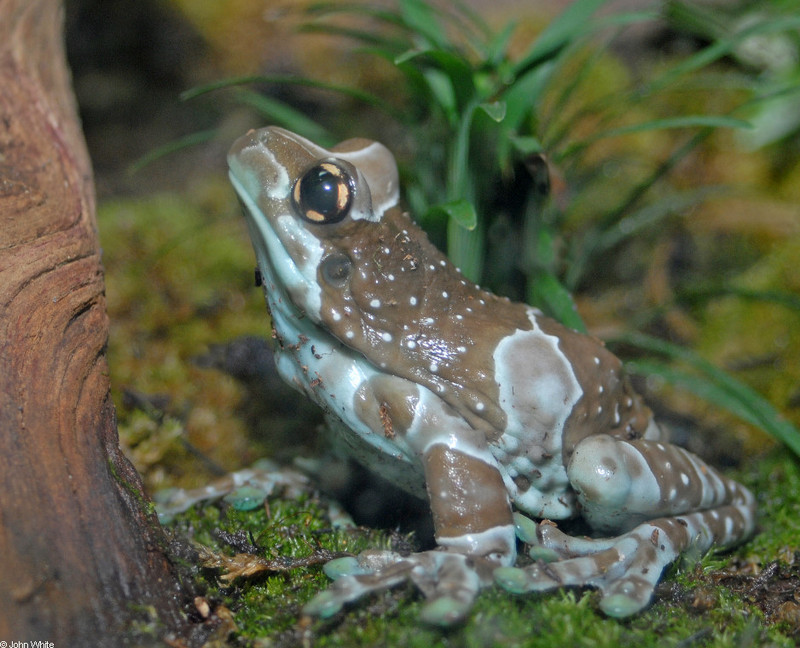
<point>480,543</point>
<point>247,178</point>
<point>435,422</point>
<point>391,189</point>
<point>375,303</point>
<point>537,397</point>
<point>386,337</point>
<point>290,230</point>
<point>297,277</point>
<point>412,300</point>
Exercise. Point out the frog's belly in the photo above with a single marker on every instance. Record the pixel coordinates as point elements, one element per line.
<point>382,457</point>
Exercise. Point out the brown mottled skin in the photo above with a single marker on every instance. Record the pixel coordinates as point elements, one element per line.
<point>396,246</point>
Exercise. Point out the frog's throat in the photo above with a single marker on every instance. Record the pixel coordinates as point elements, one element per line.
<point>282,273</point>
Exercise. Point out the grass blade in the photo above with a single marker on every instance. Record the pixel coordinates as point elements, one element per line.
<point>171,147</point>
<point>720,387</point>
<point>283,114</point>
<point>549,294</point>
<point>564,30</point>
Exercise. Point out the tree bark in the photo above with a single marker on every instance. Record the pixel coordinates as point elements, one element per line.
<point>81,554</point>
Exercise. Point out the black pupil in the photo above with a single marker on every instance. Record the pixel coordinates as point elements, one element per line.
<point>321,192</point>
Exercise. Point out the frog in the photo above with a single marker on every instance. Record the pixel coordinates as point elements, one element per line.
<point>504,421</point>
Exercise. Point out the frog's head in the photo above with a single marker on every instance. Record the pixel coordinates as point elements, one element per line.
<point>298,197</point>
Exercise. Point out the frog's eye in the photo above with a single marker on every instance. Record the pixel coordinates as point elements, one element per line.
<point>336,269</point>
<point>324,193</point>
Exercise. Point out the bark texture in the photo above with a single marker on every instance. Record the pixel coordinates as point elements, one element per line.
<point>80,556</point>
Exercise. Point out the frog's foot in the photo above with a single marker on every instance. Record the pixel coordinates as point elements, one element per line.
<point>245,490</point>
<point>449,581</point>
<point>625,569</point>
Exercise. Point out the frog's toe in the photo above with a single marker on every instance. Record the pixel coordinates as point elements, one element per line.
<point>367,562</point>
<point>450,582</point>
<point>521,581</point>
<point>626,597</point>
<point>622,593</point>
<point>354,580</point>
<point>445,612</point>
<point>324,605</point>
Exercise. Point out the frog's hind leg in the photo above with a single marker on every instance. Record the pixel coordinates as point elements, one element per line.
<point>618,482</point>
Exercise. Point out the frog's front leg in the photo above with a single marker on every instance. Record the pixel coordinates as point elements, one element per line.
<point>473,523</point>
<point>666,502</point>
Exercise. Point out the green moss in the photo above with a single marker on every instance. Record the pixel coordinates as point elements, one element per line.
<point>179,277</point>
<point>694,603</point>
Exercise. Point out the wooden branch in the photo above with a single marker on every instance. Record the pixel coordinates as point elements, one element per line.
<point>81,555</point>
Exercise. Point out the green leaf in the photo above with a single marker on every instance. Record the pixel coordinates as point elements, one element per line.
<point>652,214</point>
<point>423,21</point>
<point>700,386</point>
<point>461,211</point>
<point>722,388</point>
<point>496,110</point>
<point>527,144</point>
<point>684,121</point>
<point>521,97</point>
<point>498,45</point>
<point>443,64</point>
<point>347,91</point>
<point>442,90</point>
<point>570,25</point>
<point>549,294</point>
<point>465,247</point>
<point>192,139</point>
<point>720,48</point>
<point>779,297</point>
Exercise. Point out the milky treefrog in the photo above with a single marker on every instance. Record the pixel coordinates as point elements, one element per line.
<point>492,412</point>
